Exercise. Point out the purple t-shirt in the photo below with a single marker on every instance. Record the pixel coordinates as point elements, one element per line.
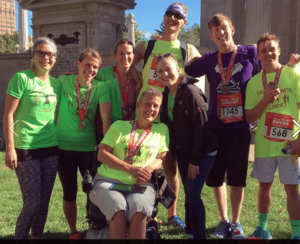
<point>245,66</point>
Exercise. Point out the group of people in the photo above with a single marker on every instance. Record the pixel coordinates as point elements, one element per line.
<point>141,122</point>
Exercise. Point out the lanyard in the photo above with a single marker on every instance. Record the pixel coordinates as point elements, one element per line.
<point>226,78</point>
<point>82,110</point>
<point>277,76</point>
<point>124,98</point>
<point>132,148</point>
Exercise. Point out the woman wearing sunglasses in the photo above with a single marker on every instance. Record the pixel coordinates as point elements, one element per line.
<point>31,147</point>
<point>175,18</point>
<point>81,94</point>
<point>192,141</point>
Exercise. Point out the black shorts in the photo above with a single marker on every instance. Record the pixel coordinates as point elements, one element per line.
<point>231,163</point>
<point>69,162</point>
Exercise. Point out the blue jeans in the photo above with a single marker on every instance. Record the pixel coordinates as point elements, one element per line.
<point>194,208</point>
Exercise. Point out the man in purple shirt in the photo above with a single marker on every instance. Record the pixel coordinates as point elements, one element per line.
<point>228,70</point>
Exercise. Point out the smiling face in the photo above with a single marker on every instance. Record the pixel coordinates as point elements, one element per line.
<point>148,108</point>
<point>168,71</point>
<point>222,34</point>
<point>172,24</point>
<point>124,56</point>
<point>45,63</point>
<point>268,53</point>
<point>88,68</point>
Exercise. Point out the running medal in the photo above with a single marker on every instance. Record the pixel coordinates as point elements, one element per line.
<point>82,109</point>
<point>82,125</point>
<point>225,89</point>
<point>134,147</point>
<point>272,85</point>
<point>226,78</point>
<point>129,160</point>
<point>124,96</point>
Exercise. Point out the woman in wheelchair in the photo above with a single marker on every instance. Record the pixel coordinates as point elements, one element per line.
<point>130,152</point>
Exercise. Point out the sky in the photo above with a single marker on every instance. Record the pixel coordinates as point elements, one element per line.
<point>148,14</point>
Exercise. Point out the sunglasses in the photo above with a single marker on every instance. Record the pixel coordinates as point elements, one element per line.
<point>176,15</point>
<point>42,54</point>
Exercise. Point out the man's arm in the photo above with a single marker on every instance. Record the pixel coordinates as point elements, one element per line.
<point>139,52</point>
<point>193,53</point>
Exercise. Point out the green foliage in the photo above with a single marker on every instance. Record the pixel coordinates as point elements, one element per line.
<point>10,42</point>
<point>140,35</point>
<point>57,227</point>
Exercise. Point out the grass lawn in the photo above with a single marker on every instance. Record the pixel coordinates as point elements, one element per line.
<point>57,228</point>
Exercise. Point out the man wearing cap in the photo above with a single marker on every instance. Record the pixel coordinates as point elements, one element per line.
<point>175,18</point>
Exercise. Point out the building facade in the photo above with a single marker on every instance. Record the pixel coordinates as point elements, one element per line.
<point>7,17</point>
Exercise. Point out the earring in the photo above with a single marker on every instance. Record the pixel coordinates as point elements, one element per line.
<point>32,61</point>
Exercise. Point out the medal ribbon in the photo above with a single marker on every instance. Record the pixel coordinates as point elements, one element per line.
<point>225,78</point>
<point>124,98</point>
<point>82,109</point>
<point>132,148</point>
<point>277,76</point>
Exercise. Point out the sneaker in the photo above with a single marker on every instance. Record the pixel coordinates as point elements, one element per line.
<point>176,221</point>
<point>296,238</point>
<point>223,229</point>
<point>75,236</point>
<point>237,231</point>
<point>262,234</point>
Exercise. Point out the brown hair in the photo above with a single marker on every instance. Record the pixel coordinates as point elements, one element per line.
<point>267,37</point>
<point>135,75</point>
<point>170,56</point>
<point>90,52</point>
<point>151,91</point>
<point>217,19</point>
<point>39,41</point>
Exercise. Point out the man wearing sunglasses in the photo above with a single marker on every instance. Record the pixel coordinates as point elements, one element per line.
<point>175,19</point>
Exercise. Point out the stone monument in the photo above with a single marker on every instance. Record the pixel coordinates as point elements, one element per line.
<point>23,29</point>
<point>252,18</point>
<point>78,24</point>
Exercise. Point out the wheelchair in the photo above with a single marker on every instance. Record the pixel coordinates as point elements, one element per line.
<point>99,228</point>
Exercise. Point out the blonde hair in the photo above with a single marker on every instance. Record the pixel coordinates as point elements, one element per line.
<point>90,52</point>
<point>39,41</point>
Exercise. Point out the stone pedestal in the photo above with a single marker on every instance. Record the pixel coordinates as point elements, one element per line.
<point>78,24</point>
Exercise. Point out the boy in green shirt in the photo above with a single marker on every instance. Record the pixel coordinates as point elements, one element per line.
<point>273,98</point>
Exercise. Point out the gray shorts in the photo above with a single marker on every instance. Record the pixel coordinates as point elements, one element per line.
<point>110,202</point>
<point>264,170</point>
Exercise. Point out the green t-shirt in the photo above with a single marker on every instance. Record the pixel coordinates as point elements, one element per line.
<point>69,136</point>
<point>171,102</point>
<point>107,75</point>
<point>117,137</point>
<point>150,77</point>
<point>289,85</point>
<point>34,116</point>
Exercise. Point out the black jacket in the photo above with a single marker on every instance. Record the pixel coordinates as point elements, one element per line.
<point>190,132</point>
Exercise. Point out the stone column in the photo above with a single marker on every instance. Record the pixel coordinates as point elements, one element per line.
<point>23,30</point>
<point>130,26</point>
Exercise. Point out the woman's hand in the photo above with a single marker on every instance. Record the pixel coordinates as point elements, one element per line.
<point>141,174</point>
<point>11,159</point>
<point>193,171</point>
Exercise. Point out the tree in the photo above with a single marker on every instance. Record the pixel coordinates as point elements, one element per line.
<point>140,35</point>
<point>161,29</point>
<point>2,46</point>
<point>10,42</point>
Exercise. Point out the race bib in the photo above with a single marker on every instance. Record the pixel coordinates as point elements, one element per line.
<point>230,108</point>
<point>278,127</point>
<point>153,76</point>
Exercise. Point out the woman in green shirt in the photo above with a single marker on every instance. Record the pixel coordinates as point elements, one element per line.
<point>31,149</point>
<point>80,96</point>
